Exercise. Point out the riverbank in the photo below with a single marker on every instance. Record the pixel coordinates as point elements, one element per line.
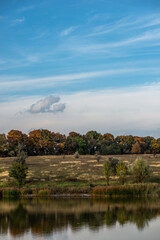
<point>132,190</point>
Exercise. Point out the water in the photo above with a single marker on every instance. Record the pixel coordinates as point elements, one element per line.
<point>80,219</point>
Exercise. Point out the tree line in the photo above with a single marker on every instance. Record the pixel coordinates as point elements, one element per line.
<point>45,142</point>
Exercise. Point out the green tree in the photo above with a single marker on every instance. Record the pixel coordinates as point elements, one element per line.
<point>19,169</point>
<point>140,170</point>
<point>113,163</point>
<point>122,171</point>
<point>19,172</point>
<point>107,170</point>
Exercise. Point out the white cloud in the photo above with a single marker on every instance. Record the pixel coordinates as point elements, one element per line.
<point>24,9</point>
<point>12,84</point>
<point>17,21</point>
<point>125,24</point>
<point>47,105</point>
<point>150,38</point>
<point>68,31</point>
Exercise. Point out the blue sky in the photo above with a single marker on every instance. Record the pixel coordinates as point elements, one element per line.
<point>80,65</point>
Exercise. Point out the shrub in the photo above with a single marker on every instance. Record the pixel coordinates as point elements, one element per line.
<point>25,192</point>
<point>76,155</point>
<point>11,154</point>
<point>45,192</point>
<point>140,170</point>
<point>97,156</point>
<point>121,171</point>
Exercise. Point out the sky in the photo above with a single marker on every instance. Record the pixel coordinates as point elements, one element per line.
<point>70,65</point>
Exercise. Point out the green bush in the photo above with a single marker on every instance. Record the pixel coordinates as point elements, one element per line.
<point>44,192</point>
<point>140,170</point>
<point>122,171</point>
<point>25,192</point>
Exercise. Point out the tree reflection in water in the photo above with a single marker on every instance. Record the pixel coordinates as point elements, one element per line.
<point>46,217</point>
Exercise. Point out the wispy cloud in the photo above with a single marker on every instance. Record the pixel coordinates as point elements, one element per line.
<point>38,36</point>
<point>68,78</point>
<point>47,105</point>
<point>17,21</point>
<point>126,23</point>
<point>24,9</point>
<point>68,31</point>
<point>150,37</point>
<point>17,86</point>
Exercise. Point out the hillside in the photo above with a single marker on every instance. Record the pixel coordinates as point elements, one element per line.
<point>54,169</point>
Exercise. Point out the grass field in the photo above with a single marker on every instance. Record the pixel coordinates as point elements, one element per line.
<point>68,171</point>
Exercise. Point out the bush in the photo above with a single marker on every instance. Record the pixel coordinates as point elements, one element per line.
<point>140,170</point>
<point>97,156</point>
<point>76,155</point>
<point>11,154</point>
<point>122,171</point>
<point>44,193</point>
<point>25,192</point>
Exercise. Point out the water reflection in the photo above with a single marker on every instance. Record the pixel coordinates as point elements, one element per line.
<point>44,217</point>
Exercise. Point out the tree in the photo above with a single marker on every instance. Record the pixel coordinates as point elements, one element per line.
<point>136,148</point>
<point>21,154</point>
<point>113,164</point>
<point>19,169</point>
<point>125,142</point>
<point>14,138</point>
<point>19,172</point>
<point>155,146</point>
<point>107,170</point>
<point>92,138</point>
<point>140,170</point>
<point>121,171</point>
<point>3,145</point>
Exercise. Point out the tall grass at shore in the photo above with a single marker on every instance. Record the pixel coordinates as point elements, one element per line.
<point>127,190</point>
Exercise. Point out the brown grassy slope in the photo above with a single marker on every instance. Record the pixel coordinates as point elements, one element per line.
<point>58,168</point>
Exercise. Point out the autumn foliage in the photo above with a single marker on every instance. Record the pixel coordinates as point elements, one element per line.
<point>45,142</point>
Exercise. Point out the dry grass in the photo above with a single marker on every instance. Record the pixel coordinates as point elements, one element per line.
<point>57,168</point>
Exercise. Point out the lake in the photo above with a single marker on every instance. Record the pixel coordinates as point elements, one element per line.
<point>80,219</point>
